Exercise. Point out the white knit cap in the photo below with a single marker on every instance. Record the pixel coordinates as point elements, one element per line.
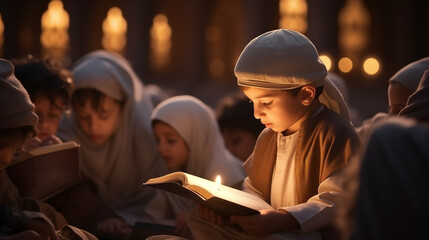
<point>285,59</point>
<point>16,108</point>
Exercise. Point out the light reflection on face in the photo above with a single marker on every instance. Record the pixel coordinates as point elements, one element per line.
<point>171,146</point>
<point>49,116</point>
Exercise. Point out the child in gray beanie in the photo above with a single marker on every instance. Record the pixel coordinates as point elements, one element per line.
<point>23,218</point>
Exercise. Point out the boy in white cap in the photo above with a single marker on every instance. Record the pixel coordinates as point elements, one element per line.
<point>297,159</point>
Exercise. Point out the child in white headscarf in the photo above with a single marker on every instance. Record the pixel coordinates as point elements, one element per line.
<point>189,140</point>
<point>110,119</point>
<point>401,85</point>
<point>298,158</point>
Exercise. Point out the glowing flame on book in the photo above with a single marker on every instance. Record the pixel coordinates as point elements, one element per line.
<point>218,182</point>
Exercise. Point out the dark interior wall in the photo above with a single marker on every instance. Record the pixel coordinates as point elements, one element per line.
<point>399,34</point>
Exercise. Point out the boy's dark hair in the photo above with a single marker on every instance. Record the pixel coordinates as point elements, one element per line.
<point>236,112</point>
<point>44,77</point>
<point>19,134</point>
<point>82,95</point>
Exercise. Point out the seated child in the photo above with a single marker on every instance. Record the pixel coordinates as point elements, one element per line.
<point>23,218</point>
<point>110,119</point>
<point>49,86</point>
<point>238,126</point>
<point>297,160</point>
<point>401,85</point>
<point>189,140</point>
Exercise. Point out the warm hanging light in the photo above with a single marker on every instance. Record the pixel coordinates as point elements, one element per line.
<point>55,24</point>
<point>371,66</point>
<point>354,24</point>
<point>1,34</point>
<point>114,30</point>
<point>345,64</point>
<point>327,61</point>
<point>293,15</point>
<point>160,42</point>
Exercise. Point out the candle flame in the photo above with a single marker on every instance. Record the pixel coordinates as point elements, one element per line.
<point>218,182</point>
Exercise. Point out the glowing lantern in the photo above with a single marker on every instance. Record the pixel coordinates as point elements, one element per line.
<point>345,64</point>
<point>114,30</point>
<point>55,24</point>
<point>160,42</point>
<point>1,33</point>
<point>327,61</point>
<point>293,15</point>
<point>354,24</point>
<point>371,66</point>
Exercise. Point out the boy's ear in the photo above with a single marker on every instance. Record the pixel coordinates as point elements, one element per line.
<point>308,93</point>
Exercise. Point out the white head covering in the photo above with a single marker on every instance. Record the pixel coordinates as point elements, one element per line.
<point>410,75</point>
<point>283,60</point>
<point>196,124</point>
<point>16,108</point>
<point>129,157</point>
<point>418,104</point>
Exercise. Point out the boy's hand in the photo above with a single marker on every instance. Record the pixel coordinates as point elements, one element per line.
<point>44,229</point>
<point>182,228</point>
<point>115,226</point>
<point>269,221</point>
<point>51,140</point>
<point>213,217</point>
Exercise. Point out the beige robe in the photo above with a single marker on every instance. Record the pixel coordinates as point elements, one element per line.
<point>325,144</point>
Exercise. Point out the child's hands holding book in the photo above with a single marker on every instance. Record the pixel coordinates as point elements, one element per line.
<point>213,217</point>
<point>269,221</point>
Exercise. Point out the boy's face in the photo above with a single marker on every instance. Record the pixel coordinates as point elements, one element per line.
<point>239,142</point>
<point>49,116</point>
<point>8,146</point>
<point>98,125</point>
<point>398,97</point>
<point>276,109</point>
<point>171,146</point>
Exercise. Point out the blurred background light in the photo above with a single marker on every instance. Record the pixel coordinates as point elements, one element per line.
<point>327,61</point>
<point>293,15</point>
<point>371,66</point>
<point>345,65</point>
<point>114,31</point>
<point>160,42</point>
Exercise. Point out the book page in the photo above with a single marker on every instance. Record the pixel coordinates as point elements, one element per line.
<point>228,193</point>
<point>217,194</point>
<point>179,177</point>
<point>46,149</point>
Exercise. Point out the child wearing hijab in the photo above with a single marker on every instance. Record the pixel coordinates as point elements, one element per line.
<point>189,140</point>
<point>49,86</point>
<point>401,85</point>
<point>110,119</point>
<point>298,158</point>
<point>23,218</point>
<point>418,102</point>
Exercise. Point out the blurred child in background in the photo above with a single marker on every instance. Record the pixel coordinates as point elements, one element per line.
<point>238,126</point>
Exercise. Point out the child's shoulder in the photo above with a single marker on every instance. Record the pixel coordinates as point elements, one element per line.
<point>330,121</point>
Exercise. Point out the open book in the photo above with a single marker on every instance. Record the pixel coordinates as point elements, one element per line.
<point>220,198</point>
<point>45,171</point>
